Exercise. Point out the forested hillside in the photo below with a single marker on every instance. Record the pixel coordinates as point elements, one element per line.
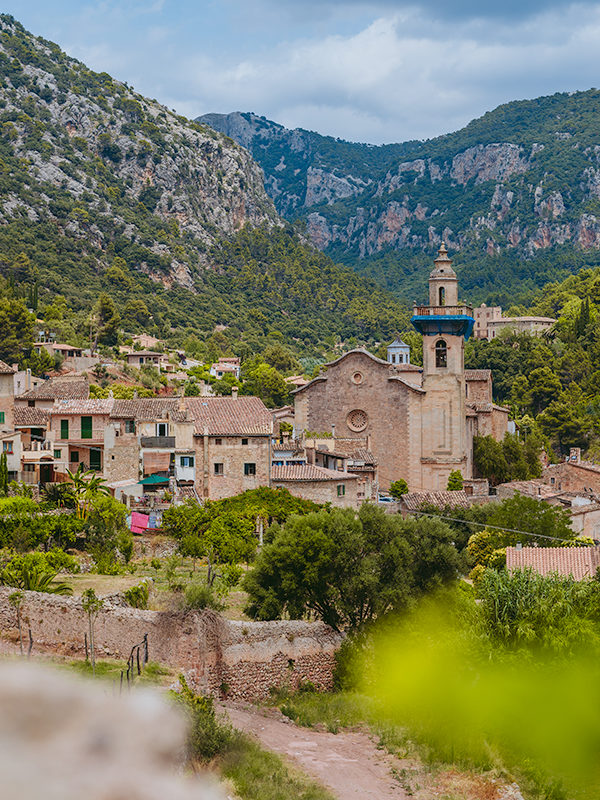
<point>140,219</point>
<point>554,380</point>
<point>517,192</point>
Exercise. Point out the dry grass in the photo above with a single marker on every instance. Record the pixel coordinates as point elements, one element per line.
<point>162,598</point>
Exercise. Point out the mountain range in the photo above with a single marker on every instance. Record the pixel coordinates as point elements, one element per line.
<point>516,194</point>
<point>103,191</point>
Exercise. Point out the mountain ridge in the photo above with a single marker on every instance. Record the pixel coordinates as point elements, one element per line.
<point>521,182</point>
<point>105,192</point>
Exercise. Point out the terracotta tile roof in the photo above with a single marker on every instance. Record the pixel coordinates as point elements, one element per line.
<point>412,501</point>
<point>149,409</point>
<point>5,369</point>
<point>96,406</point>
<point>478,374</point>
<point>309,472</point>
<point>71,387</point>
<point>579,562</point>
<point>532,488</point>
<point>26,417</point>
<point>406,368</point>
<point>364,455</point>
<point>230,416</point>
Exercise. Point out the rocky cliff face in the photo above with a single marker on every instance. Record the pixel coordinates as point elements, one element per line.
<point>98,160</point>
<point>523,178</point>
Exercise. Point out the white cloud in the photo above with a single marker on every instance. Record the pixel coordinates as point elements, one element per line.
<point>403,75</point>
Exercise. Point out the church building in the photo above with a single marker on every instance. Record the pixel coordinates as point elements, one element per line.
<point>419,423</point>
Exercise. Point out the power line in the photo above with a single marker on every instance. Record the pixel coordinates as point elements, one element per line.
<point>495,527</point>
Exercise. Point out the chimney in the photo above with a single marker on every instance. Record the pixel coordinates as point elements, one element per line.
<point>575,455</point>
<point>518,546</point>
<point>234,392</point>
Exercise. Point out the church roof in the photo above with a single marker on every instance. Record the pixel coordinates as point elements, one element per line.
<point>443,265</point>
<point>398,343</point>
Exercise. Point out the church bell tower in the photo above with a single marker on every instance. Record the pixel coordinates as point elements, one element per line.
<point>445,325</point>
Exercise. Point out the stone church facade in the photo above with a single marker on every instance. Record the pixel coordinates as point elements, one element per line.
<point>418,422</point>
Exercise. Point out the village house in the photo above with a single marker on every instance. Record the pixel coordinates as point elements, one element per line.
<point>419,423</point>
<point>140,358</point>
<point>489,323</point>
<point>579,563</point>
<point>319,484</point>
<point>65,387</point>
<point>77,429</point>
<point>573,474</point>
<point>233,444</point>
<point>145,341</point>
<point>583,506</point>
<point>149,440</point>
<point>225,366</point>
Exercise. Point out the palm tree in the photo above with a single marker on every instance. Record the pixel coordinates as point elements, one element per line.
<point>86,486</point>
<point>34,578</point>
<point>60,495</point>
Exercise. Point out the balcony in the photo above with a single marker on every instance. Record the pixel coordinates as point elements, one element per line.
<point>163,442</point>
<point>443,311</point>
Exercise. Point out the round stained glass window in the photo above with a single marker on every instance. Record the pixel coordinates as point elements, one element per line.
<point>357,420</point>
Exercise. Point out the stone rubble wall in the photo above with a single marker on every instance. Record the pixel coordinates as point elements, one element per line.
<point>241,660</point>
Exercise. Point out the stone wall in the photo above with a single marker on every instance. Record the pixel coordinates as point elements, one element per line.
<point>241,659</point>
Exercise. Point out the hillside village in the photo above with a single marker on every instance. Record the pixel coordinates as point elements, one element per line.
<point>303,540</point>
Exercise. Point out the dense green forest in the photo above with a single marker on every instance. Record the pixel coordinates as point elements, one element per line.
<point>553,382</point>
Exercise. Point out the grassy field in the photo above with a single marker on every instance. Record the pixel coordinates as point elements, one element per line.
<point>168,583</point>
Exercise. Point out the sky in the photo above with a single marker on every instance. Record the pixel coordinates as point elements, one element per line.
<point>385,71</point>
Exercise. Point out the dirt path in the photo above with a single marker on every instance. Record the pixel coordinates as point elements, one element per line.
<point>347,763</point>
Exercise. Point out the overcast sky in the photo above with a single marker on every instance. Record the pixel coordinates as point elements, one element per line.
<point>377,72</point>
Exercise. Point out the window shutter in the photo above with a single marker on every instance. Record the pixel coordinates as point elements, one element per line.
<point>64,429</point>
<point>86,427</point>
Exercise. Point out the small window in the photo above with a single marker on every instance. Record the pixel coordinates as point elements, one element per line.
<point>244,441</point>
<point>57,453</point>
<point>218,441</point>
<point>64,429</point>
<point>86,428</point>
<point>341,490</point>
<point>7,447</point>
<point>74,457</point>
<point>441,353</point>
<point>28,467</point>
<point>218,469</point>
<point>250,469</point>
<point>162,429</point>
<point>552,481</point>
<point>442,295</point>
<point>129,426</point>
<point>186,461</point>
<point>2,420</point>
<point>31,403</point>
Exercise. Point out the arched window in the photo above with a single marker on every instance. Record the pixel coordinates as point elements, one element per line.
<point>441,353</point>
<point>442,294</point>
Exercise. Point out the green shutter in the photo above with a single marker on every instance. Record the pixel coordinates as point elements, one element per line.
<point>2,417</point>
<point>86,427</point>
<point>64,429</point>
<point>95,462</point>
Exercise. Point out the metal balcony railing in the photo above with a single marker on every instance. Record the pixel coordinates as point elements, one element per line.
<point>443,311</point>
<point>166,442</point>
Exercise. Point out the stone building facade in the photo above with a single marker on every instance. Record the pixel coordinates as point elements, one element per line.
<point>418,423</point>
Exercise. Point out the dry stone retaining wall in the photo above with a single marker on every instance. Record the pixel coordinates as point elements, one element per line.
<point>242,659</point>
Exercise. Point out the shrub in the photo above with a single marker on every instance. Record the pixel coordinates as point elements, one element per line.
<point>199,595</point>
<point>137,596</point>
